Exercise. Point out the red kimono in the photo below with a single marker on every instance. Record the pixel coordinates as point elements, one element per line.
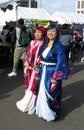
<point>31,81</point>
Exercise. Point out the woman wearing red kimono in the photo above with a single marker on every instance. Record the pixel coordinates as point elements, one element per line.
<point>31,82</point>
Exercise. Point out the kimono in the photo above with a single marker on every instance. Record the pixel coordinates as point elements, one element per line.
<point>32,73</point>
<point>53,66</point>
<point>31,81</point>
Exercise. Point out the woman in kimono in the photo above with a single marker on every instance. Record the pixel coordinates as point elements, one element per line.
<point>53,69</point>
<point>31,82</point>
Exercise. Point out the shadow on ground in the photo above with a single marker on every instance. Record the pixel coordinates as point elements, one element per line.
<point>72,98</point>
<point>9,84</point>
<point>75,68</point>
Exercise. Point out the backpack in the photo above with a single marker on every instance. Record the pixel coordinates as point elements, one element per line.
<point>24,37</point>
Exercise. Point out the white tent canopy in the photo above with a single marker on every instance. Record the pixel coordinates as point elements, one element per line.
<point>25,13</point>
<point>33,13</point>
<point>7,16</point>
<point>69,18</point>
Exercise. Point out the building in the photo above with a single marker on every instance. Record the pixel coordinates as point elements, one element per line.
<point>80,6</point>
<point>27,3</point>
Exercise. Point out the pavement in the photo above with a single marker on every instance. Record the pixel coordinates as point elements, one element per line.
<point>71,116</point>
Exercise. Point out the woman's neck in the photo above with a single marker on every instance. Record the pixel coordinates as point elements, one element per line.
<point>36,40</point>
<point>50,43</point>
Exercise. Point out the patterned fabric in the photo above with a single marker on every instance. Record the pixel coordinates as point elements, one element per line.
<point>32,74</point>
<point>32,52</point>
<point>31,82</point>
<point>49,96</point>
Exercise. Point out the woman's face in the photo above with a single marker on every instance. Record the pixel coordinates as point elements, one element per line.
<point>51,34</point>
<point>38,35</point>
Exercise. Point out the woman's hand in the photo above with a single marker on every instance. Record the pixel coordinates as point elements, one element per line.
<point>35,64</point>
<point>53,85</point>
<point>53,81</point>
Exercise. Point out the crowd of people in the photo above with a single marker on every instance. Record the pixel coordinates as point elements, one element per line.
<point>73,43</point>
<point>46,65</point>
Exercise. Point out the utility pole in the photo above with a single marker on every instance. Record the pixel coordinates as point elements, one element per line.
<point>16,8</point>
<point>29,3</point>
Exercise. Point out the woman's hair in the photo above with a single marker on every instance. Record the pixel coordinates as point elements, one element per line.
<point>54,26</point>
<point>42,29</point>
<point>44,45</point>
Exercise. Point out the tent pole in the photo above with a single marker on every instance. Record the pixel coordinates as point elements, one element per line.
<point>16,13</point>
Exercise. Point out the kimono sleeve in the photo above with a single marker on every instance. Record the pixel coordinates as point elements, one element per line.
<point>62,70</point>
<point>37,56</point>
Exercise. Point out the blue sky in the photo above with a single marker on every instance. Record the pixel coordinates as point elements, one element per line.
<point>52,6</point>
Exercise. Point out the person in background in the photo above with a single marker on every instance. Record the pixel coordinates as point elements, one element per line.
<point>19,51</point>
<point>31,81</point>
<point>53,69</point>
<point>4,32</point>
<point>66,39</point>
<point>77,42</point>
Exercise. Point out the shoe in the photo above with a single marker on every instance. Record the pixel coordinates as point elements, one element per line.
<point>12,74</point>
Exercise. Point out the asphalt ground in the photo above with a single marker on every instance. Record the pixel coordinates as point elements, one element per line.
<point>72,113</point>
